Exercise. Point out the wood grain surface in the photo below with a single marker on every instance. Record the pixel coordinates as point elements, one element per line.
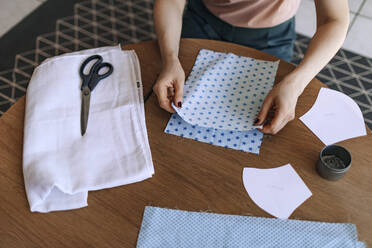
<point>189,175</point>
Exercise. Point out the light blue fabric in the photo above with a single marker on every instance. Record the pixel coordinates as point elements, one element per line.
<point>226,91</point>
<point>175,228</point>
<point>247,141</point>
<point>222,97</point>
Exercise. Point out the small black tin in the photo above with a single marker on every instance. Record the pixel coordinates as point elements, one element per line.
<point>334,161</point>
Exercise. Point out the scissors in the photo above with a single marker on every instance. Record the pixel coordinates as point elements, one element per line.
<point>89,82</point>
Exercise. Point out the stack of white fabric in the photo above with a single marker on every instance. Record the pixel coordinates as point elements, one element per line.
<point>60,166</point>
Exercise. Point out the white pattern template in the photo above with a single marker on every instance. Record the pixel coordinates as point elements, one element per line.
<point>334,117</point>
<point>278,191</point>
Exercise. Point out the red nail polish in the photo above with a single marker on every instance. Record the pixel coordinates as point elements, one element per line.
<point>180,104</point>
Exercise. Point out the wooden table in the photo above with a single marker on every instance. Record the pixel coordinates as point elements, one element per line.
<point>189,175</point>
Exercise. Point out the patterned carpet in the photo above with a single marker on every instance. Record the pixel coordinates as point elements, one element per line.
<point>108,22</point>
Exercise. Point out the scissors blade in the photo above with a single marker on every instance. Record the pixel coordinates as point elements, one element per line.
<point>85,102</point>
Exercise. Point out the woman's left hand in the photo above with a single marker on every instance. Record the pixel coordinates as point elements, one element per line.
<point>282,100</point>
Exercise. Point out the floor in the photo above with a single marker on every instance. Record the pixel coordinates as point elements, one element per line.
<point>13,11</point>
<point>95,23</point>
<point>358,39</point>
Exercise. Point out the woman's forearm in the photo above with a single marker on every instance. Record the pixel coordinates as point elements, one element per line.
<point>323,46</point>
<point>168,24</point>
<point>327,40</point>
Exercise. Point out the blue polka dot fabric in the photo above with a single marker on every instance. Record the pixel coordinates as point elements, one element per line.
<point>175,228</point>
<point>222,97</point>
<point>248,141</point>
<point>226,91</point>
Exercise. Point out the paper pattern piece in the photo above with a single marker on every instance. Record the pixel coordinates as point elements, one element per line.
<point>248,141</point>
<point>334,117</point>
<point>278,191</point>
<point>59,165</point>
<point>226,91</point>
<point>183,229</point>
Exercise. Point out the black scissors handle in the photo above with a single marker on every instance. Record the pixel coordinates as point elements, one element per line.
<point>93,77</point>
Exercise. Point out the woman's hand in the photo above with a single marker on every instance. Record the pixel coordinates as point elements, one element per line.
<point>282,101</point>
<point>169,85</point>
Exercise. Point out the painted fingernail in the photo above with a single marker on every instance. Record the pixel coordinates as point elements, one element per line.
<point>180,104</point>
<point>256,121</point>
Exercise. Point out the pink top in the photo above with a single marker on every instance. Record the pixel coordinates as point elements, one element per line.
<point>253,13</point>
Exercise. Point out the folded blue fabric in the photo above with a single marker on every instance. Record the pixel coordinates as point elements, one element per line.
<point>175,228</point>
<point>226,91</point>
<point>246,141</point>
<point>222,97</point>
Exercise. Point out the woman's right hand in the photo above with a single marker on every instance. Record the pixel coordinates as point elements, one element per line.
<point>169,85</point>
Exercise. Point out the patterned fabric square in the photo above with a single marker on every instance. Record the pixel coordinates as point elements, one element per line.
<point>222,97</point>
<point>226,91</point>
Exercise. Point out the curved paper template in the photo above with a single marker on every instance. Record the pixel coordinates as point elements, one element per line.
<point>278,191</point>
<point>225,91</point>
<point>334,117</point>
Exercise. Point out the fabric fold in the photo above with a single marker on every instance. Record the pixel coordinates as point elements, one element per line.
<point>60,166</point>
<point>225,91</point>
<point>248,141</point>
<point>222,97</point>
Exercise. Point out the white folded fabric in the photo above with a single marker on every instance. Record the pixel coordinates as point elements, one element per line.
<point>60,166</point>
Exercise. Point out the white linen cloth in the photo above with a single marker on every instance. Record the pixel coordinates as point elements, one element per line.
<point>60,166</point>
